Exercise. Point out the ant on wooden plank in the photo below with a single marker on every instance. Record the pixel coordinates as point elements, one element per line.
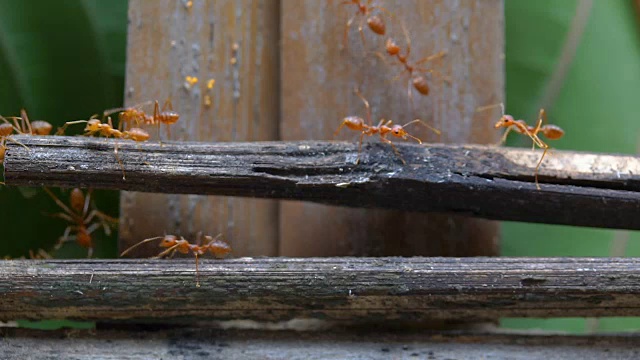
<point>214,245</point>
<point>384,128</point>
<point>550,131</point>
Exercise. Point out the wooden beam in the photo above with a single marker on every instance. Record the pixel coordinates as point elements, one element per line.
<point>190,343</point>
<point>582,189</point>
<point>235,43</point>
<point>338,289</point>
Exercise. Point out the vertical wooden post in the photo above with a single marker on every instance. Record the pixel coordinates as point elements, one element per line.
<point>318,78</point>
<point>172,39</point>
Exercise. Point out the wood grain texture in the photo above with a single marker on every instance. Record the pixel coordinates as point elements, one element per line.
<point>584,189</point>
<point>318,78</point>
<point>216,344</point>
<point>169,41</point>
<point>334,289</point>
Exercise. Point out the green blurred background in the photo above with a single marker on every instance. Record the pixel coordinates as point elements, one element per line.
<point>65,60</point>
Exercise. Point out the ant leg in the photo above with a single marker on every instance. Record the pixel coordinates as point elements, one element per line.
<point>115,152</point>
<point>167,105</point>
<point>59,203</point>
<point>339,128</point>
<point>393,147</point>
<point>14,126</point>
<point>360,26</point>
<point>431,57</point>
<point>538,167</point>
<point>504,137</point>
<point>64,127</point>
<point>65,237</point>
<point>9,138</point>
<point>157,121</point>
<point>366,104</point>
<point>25,121</point>
<point>423,123</point>
<point>346,30</point>
<point>140,243</point>
<point>360,148</point>
<point>164,253</point>
<point>197,272</point>
<point>62,216</point>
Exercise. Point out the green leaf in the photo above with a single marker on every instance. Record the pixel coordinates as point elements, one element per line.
<point>61,60</point>
<point>597,107</point>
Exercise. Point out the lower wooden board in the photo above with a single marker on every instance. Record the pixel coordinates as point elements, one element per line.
<point>363,290</point>
<point>216,344</point>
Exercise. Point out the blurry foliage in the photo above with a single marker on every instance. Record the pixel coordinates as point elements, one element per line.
<point>597,107</point>
<point>66,60</point>
<point>61,60</point>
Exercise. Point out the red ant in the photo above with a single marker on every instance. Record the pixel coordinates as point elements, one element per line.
<point>80,218</point>
<point>419,82</point>
<point>129,115</point>
<point>383,129</point>
<point>96,127</point>
<point>135,115</point>
<point>551,132</point>
<point>375,22</point>
<point>7,129</point>
<point>218,248</point>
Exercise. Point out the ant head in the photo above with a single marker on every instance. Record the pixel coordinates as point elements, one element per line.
<point>93,125</point>
<point>376,24</point>
<point>168,241</point>
<point>398,131</point>
<point>392,47</point>
<point>77,200</point>
<point>505,121</point>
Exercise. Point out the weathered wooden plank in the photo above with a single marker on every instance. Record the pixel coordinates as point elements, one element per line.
<point>583,189</point>
<point>217,344</point>
<point>170,40</point>
<point>340,289</point>
<point>318,78</point>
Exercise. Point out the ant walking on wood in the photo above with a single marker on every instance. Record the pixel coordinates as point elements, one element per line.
<point>134,115</point>
<point>384,128</point>
<point>214,245</point>
<point>80,217</point>
<point>551,132</point>
<point>96,127</point>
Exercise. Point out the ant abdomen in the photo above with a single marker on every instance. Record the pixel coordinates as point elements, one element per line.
<point>420,84</point>
<point>552,132</point>
<point>376,24</point>
<point>41,127</point>
<point>6,129</point>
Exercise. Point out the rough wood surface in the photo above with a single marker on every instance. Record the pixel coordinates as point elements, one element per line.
<point>340,289</point>
<point>216,344</point>
<point>318,78</point>
<point>583,189</point>
<point>168,41</point>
